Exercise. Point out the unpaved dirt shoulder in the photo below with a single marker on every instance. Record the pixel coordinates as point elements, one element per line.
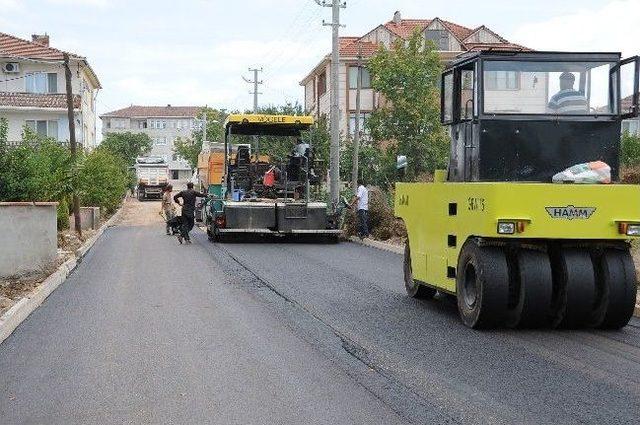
<point>140,213</point>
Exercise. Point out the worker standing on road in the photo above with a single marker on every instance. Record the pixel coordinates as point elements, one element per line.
<point>188,210</point>
<point>361,199</point>
<point>168,208</point>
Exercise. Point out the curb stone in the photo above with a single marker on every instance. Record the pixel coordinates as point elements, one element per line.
<point>400,250</point>
<point>13,317</point>
<point>384,246</point>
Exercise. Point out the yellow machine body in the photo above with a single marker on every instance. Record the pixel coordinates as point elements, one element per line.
<point>441,216</point>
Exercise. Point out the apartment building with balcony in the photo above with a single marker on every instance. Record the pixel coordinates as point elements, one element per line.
<point>451,40</point>
<point>33,90</point>
<point>163,124</point>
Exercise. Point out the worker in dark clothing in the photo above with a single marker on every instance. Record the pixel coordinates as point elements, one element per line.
<point>188,210</point>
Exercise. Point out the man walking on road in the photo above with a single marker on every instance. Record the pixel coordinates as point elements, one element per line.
<point>188,210</point>
<point>362,200</point>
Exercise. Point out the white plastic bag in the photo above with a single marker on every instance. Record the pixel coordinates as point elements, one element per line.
<point>585,173</point>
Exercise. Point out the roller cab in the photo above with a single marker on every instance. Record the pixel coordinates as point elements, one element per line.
<point>515,249</point>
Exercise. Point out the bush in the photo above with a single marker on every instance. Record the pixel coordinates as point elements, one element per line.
<point>383,224</point>
<point>63,214</point>
<point>102,180</point>
<point>35,171</point>
<point>630,175</point>
<point>630,150</point>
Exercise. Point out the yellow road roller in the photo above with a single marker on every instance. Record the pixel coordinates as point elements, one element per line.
<point>518,242</point>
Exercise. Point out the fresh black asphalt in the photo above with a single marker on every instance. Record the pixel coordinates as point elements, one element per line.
<point>147,331</point>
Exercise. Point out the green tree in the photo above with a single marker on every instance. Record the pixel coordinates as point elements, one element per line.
<point>102,180</point>
<point>126,146</point>
<point>191,147</point>
<point>630,150</point>
<point>408,123</point>
<point>39,169</point>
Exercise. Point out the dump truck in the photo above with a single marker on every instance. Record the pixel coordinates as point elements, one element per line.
<point>152,174</point>
<point>251,194</point>
<point>514,248</point>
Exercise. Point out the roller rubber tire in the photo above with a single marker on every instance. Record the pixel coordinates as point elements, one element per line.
<point>534,286</point>
<point>574,288</point>
<point>413,288</point>
<point>617,278</point>
<point>482,286</point>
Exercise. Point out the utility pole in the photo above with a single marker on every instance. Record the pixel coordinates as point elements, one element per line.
<point>204,124</point>
<point>255,82</point>
<point>356,136</point>
<point>72,143</point>
<point>334,151</point>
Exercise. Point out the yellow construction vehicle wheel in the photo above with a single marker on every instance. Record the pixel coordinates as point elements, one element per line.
<point>616,281</point>
<point>414,289</point>
<point>482,285</point>
<point>530,289</point>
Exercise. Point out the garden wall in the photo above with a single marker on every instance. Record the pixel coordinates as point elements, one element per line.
<point>28,236</point>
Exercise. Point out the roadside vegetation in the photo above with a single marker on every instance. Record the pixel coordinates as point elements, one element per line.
<point>41,169</point>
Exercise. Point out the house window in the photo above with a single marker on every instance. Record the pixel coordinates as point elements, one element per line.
<point>439,37</point>
<point>502,80</point>
<point>322,84</point>
<point>364,117</point>
<point>631,126</point>
<point>353,78</point>
<point>160,141</point>
<point>41,82</point>
<point>43,128</point>
<point>142,124</point>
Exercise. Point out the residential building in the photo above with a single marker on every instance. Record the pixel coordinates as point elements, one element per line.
<point>631,125</point>
<point>451,40</point>
<point>33,90</point>
<point>163,124</point>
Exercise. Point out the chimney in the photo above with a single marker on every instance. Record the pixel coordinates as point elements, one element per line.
<point>397,18</point>
<point>42,39</point>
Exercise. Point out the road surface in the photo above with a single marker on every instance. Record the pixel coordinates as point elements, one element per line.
<point>148,331</point>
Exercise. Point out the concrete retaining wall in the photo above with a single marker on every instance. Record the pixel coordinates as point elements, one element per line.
<point>28,236</point>
<point>89,218</point>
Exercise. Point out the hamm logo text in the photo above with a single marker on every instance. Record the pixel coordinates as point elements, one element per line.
<point>570,212</point>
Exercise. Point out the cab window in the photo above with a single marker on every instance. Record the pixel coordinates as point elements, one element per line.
<point>447,98</point>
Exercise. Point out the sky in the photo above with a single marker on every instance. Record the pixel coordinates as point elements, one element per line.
<point>195,52</point>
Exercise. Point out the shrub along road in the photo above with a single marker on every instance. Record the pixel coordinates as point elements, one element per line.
<point>148,331</point>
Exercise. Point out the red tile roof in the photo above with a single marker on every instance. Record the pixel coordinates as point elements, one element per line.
<point>18,48</point>
<point>135,111</point>
<point>14,46</point>
<point>33,100</point>
<point>350,46</point>
<point>405,28</point>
